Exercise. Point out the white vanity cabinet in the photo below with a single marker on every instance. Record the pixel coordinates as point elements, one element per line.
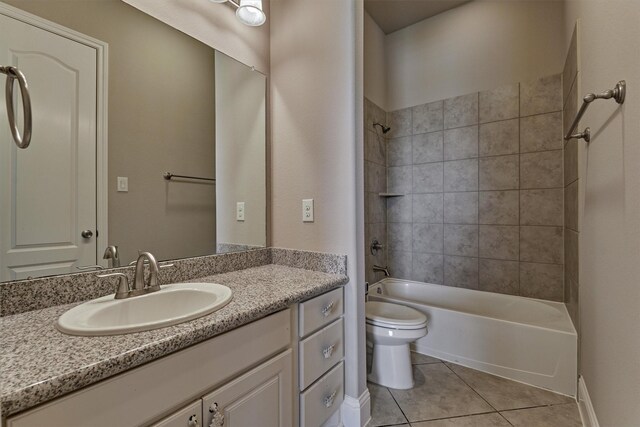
<point>321,354</point>
<point>261,397</point>
<point>158,391</point>
<point>283,370</point>
<point>189,416</point>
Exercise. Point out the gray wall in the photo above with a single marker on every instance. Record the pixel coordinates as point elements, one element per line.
<point>482,181</point>
<point>161,118</point>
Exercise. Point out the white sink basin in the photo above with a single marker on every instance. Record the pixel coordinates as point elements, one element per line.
<point>171,305</point>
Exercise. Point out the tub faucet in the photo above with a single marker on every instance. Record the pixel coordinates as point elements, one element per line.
<point>384,269</point>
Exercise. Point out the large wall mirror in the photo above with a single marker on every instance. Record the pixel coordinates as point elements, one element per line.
<point>119,100</point>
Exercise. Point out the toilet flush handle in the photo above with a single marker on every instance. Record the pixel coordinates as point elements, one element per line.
<point>328,309</point>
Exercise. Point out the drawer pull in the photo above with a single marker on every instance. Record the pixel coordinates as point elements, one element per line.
<point>328,308</point>
<point>217,420</point>
<point>327,352</point>
<point>193,421</point>
<point>328,400</point>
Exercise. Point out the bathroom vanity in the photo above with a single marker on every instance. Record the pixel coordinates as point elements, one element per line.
<point>272,357</point>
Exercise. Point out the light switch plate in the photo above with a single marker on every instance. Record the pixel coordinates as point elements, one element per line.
<point>307,210</point>
<point>240,211</point>
<point>123,184</point>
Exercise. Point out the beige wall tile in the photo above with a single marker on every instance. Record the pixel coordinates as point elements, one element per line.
<point>499,242</point>
<point>499,104</point>
<point>461,175</point>
<point>542,132</point>
<point>427,117</point>
<point>499,276</point>
<point>427,178</point>
<point>400,123</point>
<point>461,272</point>
<point>541,207</point>
<point>428,268</point>
<point>541,170</point>
<point>461,143</point>
<point>461,208</point>
<point>428,207</point>
<point>399,151</point>
<point>461,111</point>
<point>427,238</point>
<point>541,244</point>
<point>499,207</point>
<point>542,95</point>
<point>461,240</point>
<point>544,281</point>
<point>428,147</point>
<point>499,138</point>
<point>499,173</point>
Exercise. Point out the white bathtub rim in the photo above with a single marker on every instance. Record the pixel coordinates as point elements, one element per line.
<point>397,300</point>
<point>528,325</point>
<point>482,366</point>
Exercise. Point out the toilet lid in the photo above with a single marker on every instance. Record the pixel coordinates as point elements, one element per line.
<point>394,316</point>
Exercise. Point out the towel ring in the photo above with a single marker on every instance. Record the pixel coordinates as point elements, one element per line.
<point>22,141</point>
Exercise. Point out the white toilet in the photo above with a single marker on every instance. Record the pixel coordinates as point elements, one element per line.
<point>391,328</point>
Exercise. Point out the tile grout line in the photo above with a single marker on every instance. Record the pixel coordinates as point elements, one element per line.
<point>474,390</point>
<point>397,404</point>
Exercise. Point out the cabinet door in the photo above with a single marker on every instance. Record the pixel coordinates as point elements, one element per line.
<point>189,416</point>
<point>262,397</point>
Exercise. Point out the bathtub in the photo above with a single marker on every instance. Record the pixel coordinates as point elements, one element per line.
<point>522,339</point>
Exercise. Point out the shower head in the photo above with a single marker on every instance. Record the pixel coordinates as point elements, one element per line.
<point>384,128</point>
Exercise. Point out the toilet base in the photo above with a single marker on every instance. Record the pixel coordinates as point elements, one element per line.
<point>391,366</point>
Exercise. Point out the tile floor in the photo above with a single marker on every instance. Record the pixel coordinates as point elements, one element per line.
<point>449,395</point>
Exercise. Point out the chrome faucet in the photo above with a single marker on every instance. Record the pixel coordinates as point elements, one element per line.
<point>112,253</point>
<point>384,269</point>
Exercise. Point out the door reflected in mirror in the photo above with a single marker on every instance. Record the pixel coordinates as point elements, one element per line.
<point>120,99</point>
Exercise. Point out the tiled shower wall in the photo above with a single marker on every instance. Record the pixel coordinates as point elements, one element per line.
<point>482,178</point>
<point>375,182</point>
<point>571,93</point>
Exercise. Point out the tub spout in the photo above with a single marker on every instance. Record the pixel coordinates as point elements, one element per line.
<point>384,269</point>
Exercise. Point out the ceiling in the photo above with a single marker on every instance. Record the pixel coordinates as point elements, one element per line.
<point>392,15</point>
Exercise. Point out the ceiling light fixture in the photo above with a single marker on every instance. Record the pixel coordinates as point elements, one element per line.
<point>249,12</point>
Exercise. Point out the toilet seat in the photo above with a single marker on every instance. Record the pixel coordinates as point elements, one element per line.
<point>394,316</point>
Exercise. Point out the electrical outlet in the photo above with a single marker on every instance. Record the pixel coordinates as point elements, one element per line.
<point>307,210</point>
<point>240,211</point>
<point>123,184</point>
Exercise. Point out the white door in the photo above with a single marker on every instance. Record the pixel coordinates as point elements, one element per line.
<point>48,191</point>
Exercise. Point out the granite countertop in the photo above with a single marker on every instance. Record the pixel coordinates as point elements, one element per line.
<point>38,363</point>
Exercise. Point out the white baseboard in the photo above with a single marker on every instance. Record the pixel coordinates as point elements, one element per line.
<point>356,412</point>
<point>587,413</point>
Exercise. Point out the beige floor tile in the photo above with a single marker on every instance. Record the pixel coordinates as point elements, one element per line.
<point>438,393</point>
<point>504,394</point>
<point>484,420</point>
<point>548,416</point>
<point>419,359</point>
<point>384,410</point>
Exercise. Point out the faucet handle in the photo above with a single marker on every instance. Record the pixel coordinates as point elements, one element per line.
<point>166,266</point>
<point>90,267</point>
<point>122,291</point>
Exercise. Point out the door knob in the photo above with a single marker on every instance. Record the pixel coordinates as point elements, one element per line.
<point>87,234</point>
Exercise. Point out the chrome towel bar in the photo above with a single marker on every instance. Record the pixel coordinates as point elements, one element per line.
<point>22,141</point>
<point>168,176</point>
<point>618,94</point>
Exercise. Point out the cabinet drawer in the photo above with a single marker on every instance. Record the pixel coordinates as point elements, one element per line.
<point>320,311</point>
<point>321,351</point>
<point>323,398</point>
<point>190,416</point>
